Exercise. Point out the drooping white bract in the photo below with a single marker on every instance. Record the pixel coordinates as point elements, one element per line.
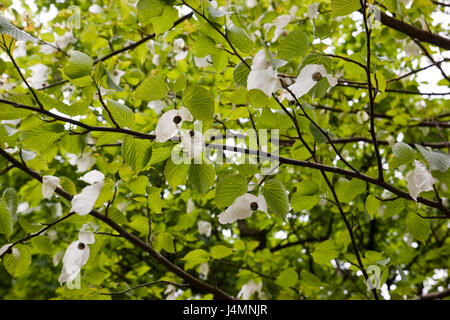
<point>250,3</point>
<point>307,79</point>
<point>262,76</point>
<point>282,21</point>
<point>49,185</point>
<point>170,123</point>
<point>419,180</point>
<point>204,227</point>
<point>204,270</point>
<point>249,289</point>
<point>84,202</point>
<point>95,9</point>
<point>242,208</point>
<point>179,47</point>
<point>15,252</point>
<point>157,105</point>
<point>193,143</point>
<point>83,163</point>
<point>202,62</point>
<point>76,256</point>
<point>39,76</point>
<point>313,10</point>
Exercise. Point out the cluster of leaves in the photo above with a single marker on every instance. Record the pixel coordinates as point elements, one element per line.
<point>303,248</point>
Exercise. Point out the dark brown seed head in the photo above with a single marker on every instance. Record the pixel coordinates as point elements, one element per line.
<point>253,206</point>
<point>9,251</point>
<point>81,246</point>
<point>317,76</point>
<point>177,119</point>
<point>192,133</point>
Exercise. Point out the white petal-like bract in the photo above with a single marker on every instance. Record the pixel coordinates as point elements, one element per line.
<point>242,208</point>
<point>262,76</point>
<point>84,202</point>
<point>93,176</point>
<point>49,185</point>
<point>204,227</point>
<point>249,289</point>
<point>419,180</point>
<point>193,143</point>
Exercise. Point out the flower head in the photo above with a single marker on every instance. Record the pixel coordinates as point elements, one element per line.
<point>179,47</point>
<point>249,289</point>
<point>170,123</point>
<point>242,208</point>
<point>193,143</point>
<point>307,79</point>
<point>419,180</point>
<point>76,256</point>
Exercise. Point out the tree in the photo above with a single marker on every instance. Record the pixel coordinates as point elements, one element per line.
<point>224,149</point>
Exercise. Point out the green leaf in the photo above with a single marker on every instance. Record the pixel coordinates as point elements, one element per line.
<point>240,73</point>
<point>418,227</point>
<point>202,176</point>
<point>148,9</point>
<point>42,137</point>
<point>300,202</point>
<point>8,28</point>
<point>324,252</point>
<point>195,257</point>
<point>123,115</point>
<point>166,20</point>
<point>437,159</point>
<point>165,241</point>
<point>79,65</point>
<point>229,188</point>
<point>257,99</point>
<point>136,152</point>
<point>200,103</point>
<point>287,278</point>
<point>6,223</point>
<point>344,7</point>
<point>403,154</point>
<point>17,266</point>
<point>276,198</point>
<point>240,39</point>
<point>372,205</point>
<point>160,154</point>
<point>152,88</point>
<point>295,44</point>
<point>10,198</point>
<point>176,175</point>
<point>155,200</point>
<point>220,252</point>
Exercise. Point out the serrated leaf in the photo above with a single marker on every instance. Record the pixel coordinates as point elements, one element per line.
<point>200,102</point>
<point>240,73</point>
<point>300,202</point>
<point>202,176</point>
<point>324,252</point>
<point>152,88</point>
<point>6,222</point>
<point>220,252</point>
<point>276,198</point>
<point>123,115</point>
<point>229,188</point>
<point>403,154</point>
<point>176,175</point>
<point>240,39</point>
<point>79,65</point>
<point>418,227</point>
<point>195,257</point>
<point>10,198</point>
<point>257,99</point>
<point>372,205</point>
<point>344,7</point>
<point>295,44</point>
<point>287,278</point>
<point>437,159</point>
<point>136,152</point>
<point>17,266</point>
<point>165,241</point>
<point>6,27</point>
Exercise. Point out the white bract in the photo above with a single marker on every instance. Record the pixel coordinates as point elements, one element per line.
<point>84,202</point>
<point>419,180</point>
<point>242,208</point>
<point>170,123</point>
<point>262,76</point>
<point>250,3</point>
<point>83,163</point>
<point>15,252</point>
<point>76,256</point>
<point>157,105</point>
<point>95,9</point>
<point>193,143</point>
<point>202,62</point>
<point>49,185</point>
<point>39,76</point>
<point>204,227</point>
<point>179,47</point>
<point>204,270</point>
<point>282,21</point>
<point>313,10</point>
<point>306,80</point>
<point>249,289</point>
